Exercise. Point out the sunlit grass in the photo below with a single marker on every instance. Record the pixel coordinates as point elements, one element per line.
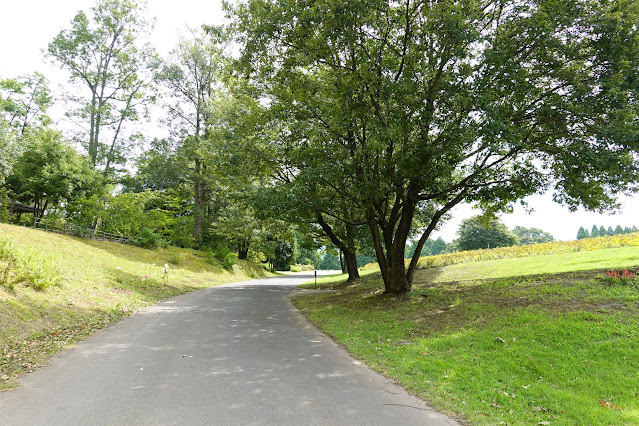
<point>537,340</point>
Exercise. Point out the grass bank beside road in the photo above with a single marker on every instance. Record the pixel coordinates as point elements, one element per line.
<point>55,289</point>
<point>551,339</point>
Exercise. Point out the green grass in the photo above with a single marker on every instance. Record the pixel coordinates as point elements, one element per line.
<point>87,286</point>
<point>520,341</point>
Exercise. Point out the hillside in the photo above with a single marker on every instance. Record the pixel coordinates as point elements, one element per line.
<point>547,339</point>
<point>57,289</point>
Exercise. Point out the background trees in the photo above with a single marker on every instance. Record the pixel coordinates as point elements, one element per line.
<point>49,172</point>
<point>531,235</point>
<point>480,232</point>
<point>104,56</point>
<point>23,105</point>
<point>596,232</point>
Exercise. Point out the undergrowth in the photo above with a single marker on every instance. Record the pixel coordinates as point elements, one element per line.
<point>26,267</point>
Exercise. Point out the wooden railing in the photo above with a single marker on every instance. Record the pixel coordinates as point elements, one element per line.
<point>63,227</point>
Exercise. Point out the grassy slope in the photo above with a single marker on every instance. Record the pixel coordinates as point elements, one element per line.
<point>540,339</point>
<point>101,282</point>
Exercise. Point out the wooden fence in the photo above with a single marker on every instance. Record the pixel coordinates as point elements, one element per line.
<point>63,227</point>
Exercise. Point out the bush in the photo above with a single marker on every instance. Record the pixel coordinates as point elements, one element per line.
<point>223,255</point>
<point>147,239</point>
<point>177,258</point>
<point>301,268</point>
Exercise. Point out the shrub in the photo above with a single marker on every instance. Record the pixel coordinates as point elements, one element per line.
<point>223,255</point>
<point>146,238</point>
<point>301,268</point>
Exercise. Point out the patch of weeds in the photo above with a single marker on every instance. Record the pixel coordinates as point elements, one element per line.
<point>29,268</point>
<point>177,258</point>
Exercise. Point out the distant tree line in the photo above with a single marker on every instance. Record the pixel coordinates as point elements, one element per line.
<point>602,231</point>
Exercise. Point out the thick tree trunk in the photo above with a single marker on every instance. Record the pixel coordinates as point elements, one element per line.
<point>242,250</point>
<point>389,243</point>
<point>351,266</point>
<point>199,208</point>
<point>350,260</point>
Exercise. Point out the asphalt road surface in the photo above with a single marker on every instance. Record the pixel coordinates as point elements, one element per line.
<point>238,354</point>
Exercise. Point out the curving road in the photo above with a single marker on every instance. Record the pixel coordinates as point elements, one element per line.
<point>238,354</point>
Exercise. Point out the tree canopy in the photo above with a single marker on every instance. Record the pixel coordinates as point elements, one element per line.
<point>479,232</point>
<point>410,107</point>
<point>359,124</point>
<point>103,55</point>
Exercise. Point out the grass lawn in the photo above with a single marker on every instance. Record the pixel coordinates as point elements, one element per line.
<point>96,283</point>
<point>539,340</point>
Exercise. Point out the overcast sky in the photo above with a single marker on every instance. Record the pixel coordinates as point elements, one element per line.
<point>27,27</point>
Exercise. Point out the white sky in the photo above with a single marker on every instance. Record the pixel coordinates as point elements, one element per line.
<point>27,27</point>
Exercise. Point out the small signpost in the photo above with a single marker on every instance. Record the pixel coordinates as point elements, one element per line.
<point>315,279</point>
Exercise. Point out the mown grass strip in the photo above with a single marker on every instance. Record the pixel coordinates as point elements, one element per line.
<point>557,348</point>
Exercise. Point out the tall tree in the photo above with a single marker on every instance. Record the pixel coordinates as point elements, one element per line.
<point>532,235</point>
<point>104,56</point>
<point>191,76</point>
<point>594,232</point>
<point>479,232</point>
<point>425,104</point>
<point>582,233</point>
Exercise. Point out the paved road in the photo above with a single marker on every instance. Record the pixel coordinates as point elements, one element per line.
<point>239,354</point>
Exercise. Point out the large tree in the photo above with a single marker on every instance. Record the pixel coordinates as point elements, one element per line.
<point>191,77</point>
<point>103,55</point>
<point>480,232</point>
<point>49,173</point>
<point>418,105</point>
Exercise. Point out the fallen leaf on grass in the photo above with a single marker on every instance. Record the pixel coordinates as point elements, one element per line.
<point>500,339</point>
<point>608,404</point>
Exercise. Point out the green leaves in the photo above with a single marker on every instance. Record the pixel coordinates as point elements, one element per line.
<point>49,171</point>
<point>103,55</point>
